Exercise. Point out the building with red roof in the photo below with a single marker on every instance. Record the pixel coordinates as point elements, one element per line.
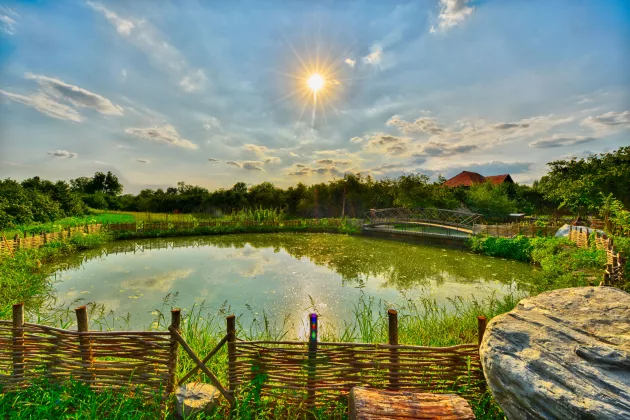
<point>467,179</point>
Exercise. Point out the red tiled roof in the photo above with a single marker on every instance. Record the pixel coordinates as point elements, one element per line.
<point>466,179</point>
<point>499,179</point>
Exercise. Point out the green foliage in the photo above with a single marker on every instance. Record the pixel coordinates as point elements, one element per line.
<point>561,262</point>
<point>616,217</point>
<point>75,400</point>
<point>490,200</point>
<point>34,200</point>
<point>581,185</point>
<point>519,248</point>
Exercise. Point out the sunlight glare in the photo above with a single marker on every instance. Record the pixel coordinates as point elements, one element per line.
<point>315,82</point>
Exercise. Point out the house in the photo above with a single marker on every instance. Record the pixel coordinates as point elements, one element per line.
<point>466,179</point>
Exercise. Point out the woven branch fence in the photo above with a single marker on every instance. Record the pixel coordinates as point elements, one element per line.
<point>509,230</point>
<point>142,360</point>
<point>614,275</point>
<point>305,374</point>
<point>9,246</point>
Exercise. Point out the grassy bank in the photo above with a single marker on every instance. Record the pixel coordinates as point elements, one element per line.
<point>67,222</point>
<point>422,322</point>
<point>562,264</point>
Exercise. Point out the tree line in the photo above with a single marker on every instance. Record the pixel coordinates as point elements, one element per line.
<point>572,186</point>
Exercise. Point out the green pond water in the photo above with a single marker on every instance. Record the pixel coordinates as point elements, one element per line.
<point>285,275</point>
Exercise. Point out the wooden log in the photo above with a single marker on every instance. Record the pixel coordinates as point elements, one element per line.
<point>372,404</point>
<point>85,346</point>
<point>18,340</point>
<point>392,316</point>
<point>173,350</point>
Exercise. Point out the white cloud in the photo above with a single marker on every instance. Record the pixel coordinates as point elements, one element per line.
<point>334,162</point>
<point>356,140</point>
<point>421,125</point>
<point>262,153</point>
<point>46,105</point>
<point>123,73</point>
<point>63,154</point>
<point>165,134</point>
<point>7,20</point>
<point>213,160</point>
<point>249,165</point>
<point>610,119</point>
<point>350,62</point>
<point>123,26</point>
<point>387,144</point>
<point>77,96</point>
<point>558,140</point>
<point>193,81</point>
<point>375,56</point>
<point>211,122</point>
<point>139,160</point>
<point>452,13</point>
<point>150,41</point>
<point>304,170</point>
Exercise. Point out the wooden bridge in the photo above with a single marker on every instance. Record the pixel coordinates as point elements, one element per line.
<point>431,222</point>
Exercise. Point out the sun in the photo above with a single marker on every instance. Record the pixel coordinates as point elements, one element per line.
<point>315,82</point>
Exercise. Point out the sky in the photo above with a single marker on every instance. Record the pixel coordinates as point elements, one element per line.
<point>215,92</point>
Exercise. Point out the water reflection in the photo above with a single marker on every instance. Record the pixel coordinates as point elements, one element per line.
<point>277,273</point>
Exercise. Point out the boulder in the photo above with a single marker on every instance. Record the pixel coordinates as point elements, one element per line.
<point>564,354</point>
<point>196,397</point>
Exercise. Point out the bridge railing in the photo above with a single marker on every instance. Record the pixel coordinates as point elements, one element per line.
<point>431,215</point>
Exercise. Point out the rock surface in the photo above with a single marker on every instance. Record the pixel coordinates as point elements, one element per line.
<point>563,354</point>
<point>196,397</point>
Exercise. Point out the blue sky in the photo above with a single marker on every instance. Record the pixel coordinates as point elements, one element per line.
<point>213,92</point>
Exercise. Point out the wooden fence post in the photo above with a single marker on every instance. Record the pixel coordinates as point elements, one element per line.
<point>312,356</point>
<point>173,351</point>
<point>85,347</point>
<point>18,340</point>
<point>230,322</point>
<point>392,317</point>
<point>482,322</point>
<point>16,239</point>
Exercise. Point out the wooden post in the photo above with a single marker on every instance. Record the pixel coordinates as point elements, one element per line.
<point>312,356</point>
<point>16,239</point>
<point>85,346</point>
<point>18,340</point>
<point>482,322</point>
<point>392,317</point>
<point>230,322</point>
<point>45,238</point>
<point>173,351</point>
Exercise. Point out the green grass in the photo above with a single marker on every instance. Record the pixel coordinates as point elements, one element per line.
<point>74,400</point>
<point>25,276</point>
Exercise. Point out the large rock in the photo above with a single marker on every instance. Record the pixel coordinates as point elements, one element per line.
<point>564,354</point>
<point>196,397</point>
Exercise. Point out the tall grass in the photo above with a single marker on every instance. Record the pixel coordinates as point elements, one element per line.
<point>25,276</point>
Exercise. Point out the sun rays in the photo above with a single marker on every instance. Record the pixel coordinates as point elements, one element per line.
<point>315,82</point>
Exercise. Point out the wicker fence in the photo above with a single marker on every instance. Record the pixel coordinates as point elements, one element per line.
<point>9,246</point>
<point>509,230</point>
<point>145,360</point>
<point>305,374</point>
<point>614,274</point>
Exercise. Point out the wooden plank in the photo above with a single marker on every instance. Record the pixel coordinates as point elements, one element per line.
<point>371,404</point>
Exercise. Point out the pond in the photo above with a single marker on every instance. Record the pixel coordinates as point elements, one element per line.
<point>284,275</point>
